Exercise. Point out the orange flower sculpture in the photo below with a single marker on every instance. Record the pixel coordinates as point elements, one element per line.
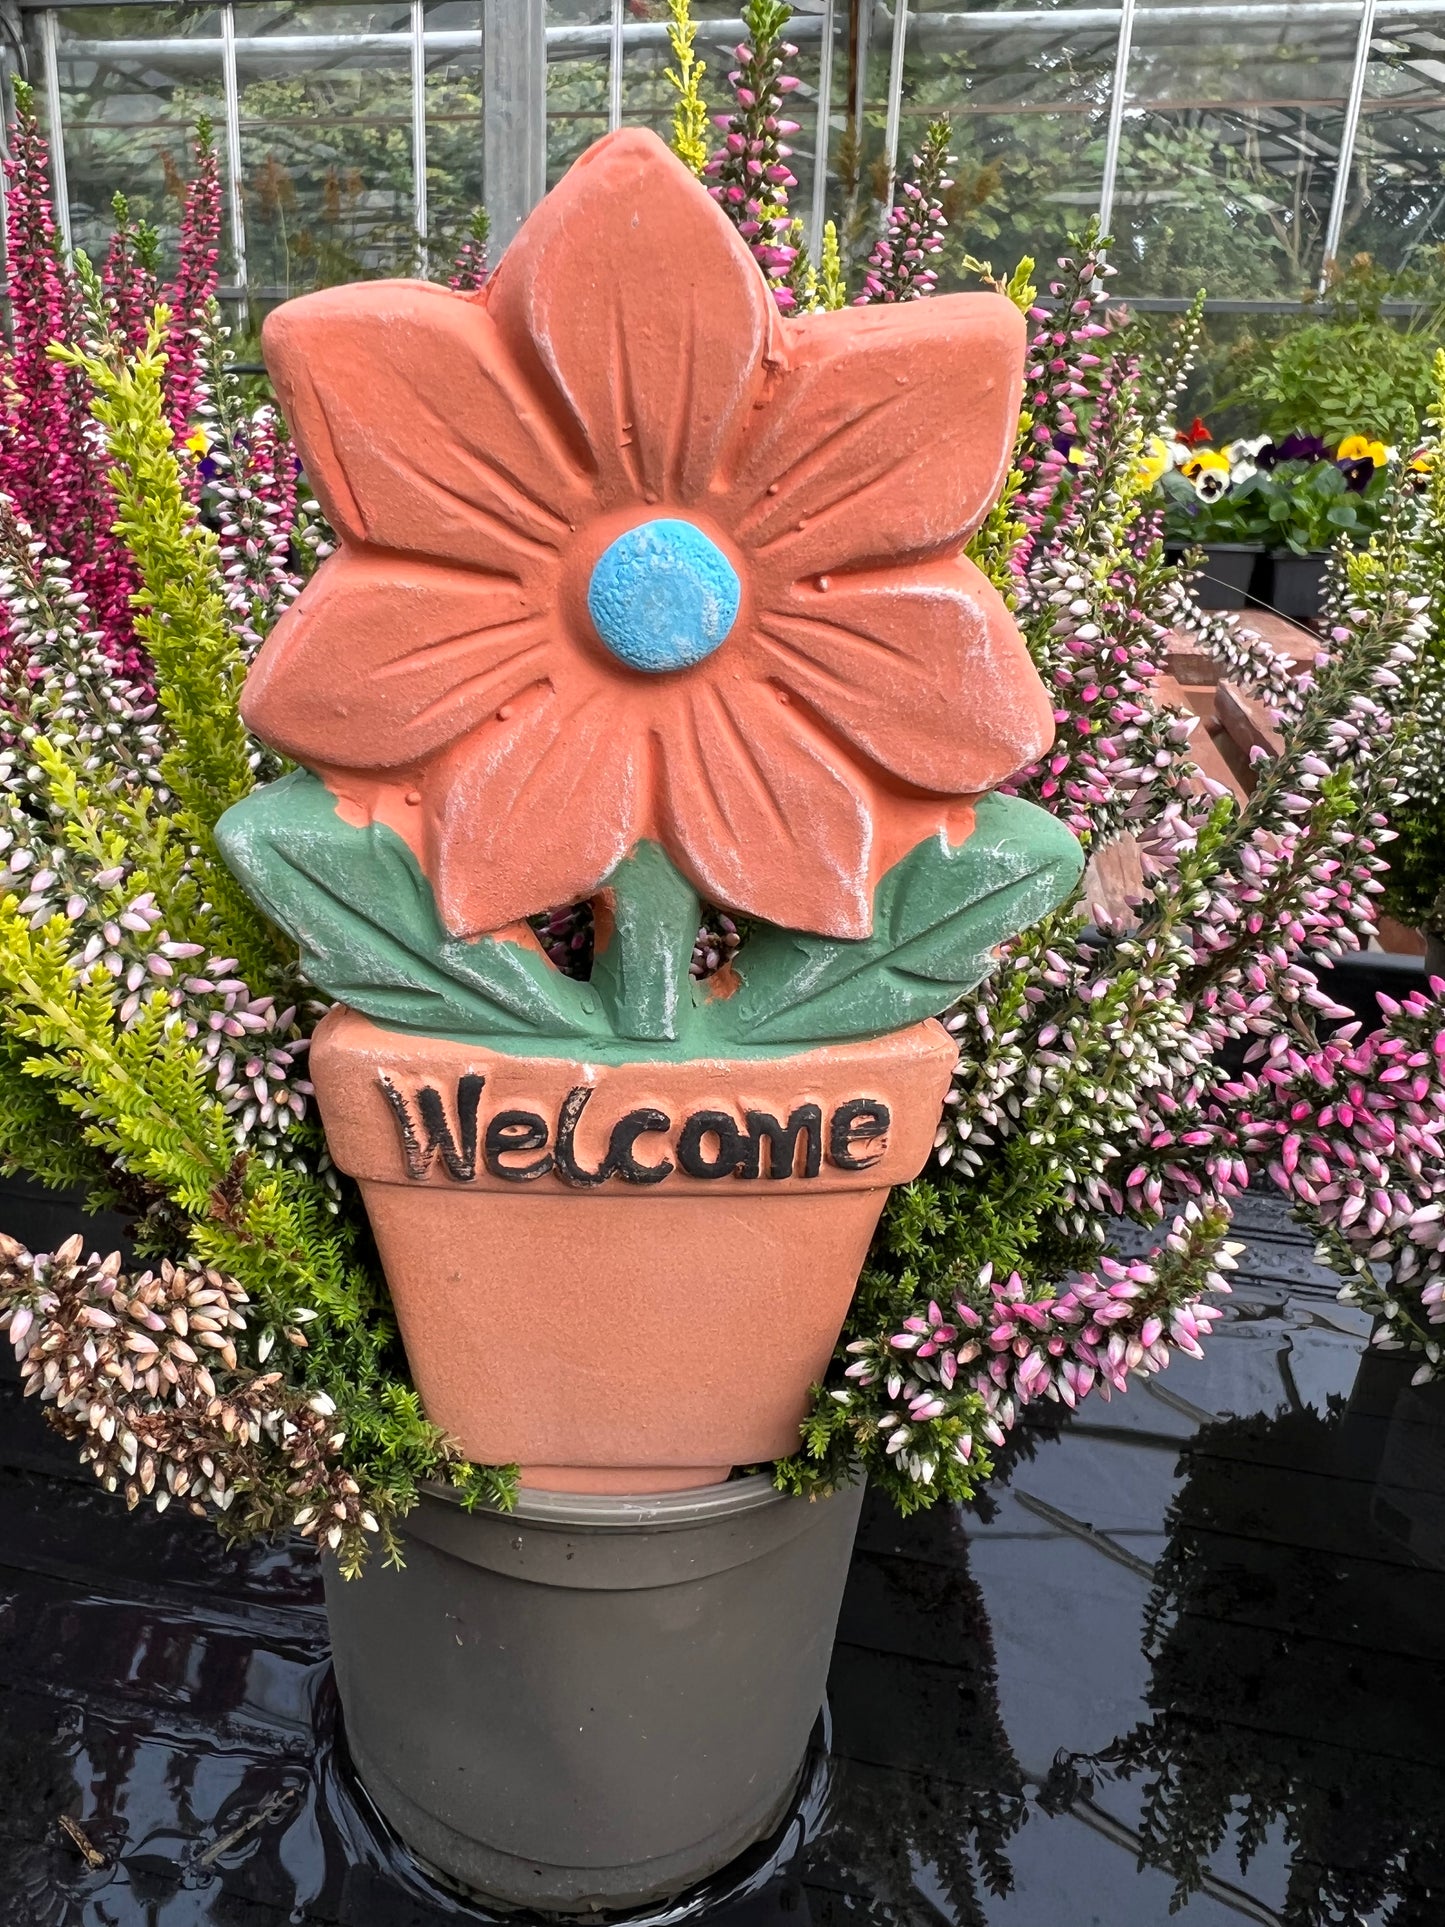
<point>625,555</point>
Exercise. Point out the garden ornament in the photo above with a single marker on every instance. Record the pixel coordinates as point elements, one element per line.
<point>647,596</point>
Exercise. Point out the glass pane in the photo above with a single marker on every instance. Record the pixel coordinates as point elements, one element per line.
<point>1029,101</point>
<point>1395,210</point>
<point>134,81</point>
<point>453,127</point>
<point>325,144</point>
<point>578,78</point>
<point>1227,163</point>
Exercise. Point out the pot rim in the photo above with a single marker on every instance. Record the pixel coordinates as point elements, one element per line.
<point>695,1505</point>
<point>1178,545</point>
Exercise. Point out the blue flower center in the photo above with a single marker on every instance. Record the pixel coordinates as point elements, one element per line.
<point>663,596</point>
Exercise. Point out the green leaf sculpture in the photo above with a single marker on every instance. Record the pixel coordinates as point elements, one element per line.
<point>366,921</point>
<point>355,900</point>
<point>937,918</point>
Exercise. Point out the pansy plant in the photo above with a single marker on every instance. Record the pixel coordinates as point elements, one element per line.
<point>648,595</point>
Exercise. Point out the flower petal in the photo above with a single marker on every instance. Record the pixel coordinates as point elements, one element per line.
<point>887,436</point>
<point>647,311</point>
<point>923,670</point>
<point>758,810</point>
<point>385,660</point>
<point>416,427</point>
<point>531,811</point>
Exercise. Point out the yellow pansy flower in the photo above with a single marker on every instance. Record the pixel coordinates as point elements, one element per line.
<point>1355,448</point>
<point>1154,460</point>
<point>198,442</point>
<point>1203,463</point>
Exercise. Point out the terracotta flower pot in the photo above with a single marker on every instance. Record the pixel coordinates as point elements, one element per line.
<point>624,1277</point>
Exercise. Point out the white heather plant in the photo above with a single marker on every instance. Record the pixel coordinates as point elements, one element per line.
<point>1090,1086</point>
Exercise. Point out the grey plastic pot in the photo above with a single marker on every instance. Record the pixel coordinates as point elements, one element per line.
<point>1228,569</point>
<point>592,1702</point>
<point>1294,586</point>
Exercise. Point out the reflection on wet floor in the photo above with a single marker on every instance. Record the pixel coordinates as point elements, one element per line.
<point>1186,1655</point>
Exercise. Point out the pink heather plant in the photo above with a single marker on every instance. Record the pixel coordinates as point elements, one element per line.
<point>65,702</point>
<point>900,266</point>
<point>52,457</point>
<point>1089,1081</point>
<point>749,173</point>
<point>128,275</point>
<point>1062,372</point>
<point>1354,1131</point>
<point>189,297</point>
<point>471,266</point>
<point>49,463</point>
<point>1007,1344</point>
<point>269,526</point>
<point>153,1043</point>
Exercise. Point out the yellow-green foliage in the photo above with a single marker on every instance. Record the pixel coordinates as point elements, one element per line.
<point>180,617</point>
<point>133,1107</point>
<point>689,113</point>
<point>995,539</point>
<point>832,287</point>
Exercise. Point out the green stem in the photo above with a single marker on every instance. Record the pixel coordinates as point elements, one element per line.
<point>647,924</point>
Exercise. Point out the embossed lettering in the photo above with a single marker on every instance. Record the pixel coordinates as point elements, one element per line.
<point>703,1124</point>
<point>862,1117</point>
<point>510,1132</point>
<point>625,1133</point>
<point>568,1169</point>
<point>805,1123</point>
<point>709,1144</point>
<point>420,1147</point>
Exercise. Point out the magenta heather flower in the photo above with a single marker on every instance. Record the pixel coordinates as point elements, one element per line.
<point>959,1373</point>
<point>1059,375</point>
<point>53,460</point>
<point>1354,1131</point>
<point>1090,1083</point>
<point>470,268</point>
<point>51,466</point>
<point>900,266</point>
<point>189,296</point>
<point>748,174</point>
<point>129,276</point>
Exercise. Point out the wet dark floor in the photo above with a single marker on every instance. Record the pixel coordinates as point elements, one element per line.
<point>1189,1654</point>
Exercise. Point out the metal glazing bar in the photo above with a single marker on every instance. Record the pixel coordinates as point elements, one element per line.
<point>935,30</point>
<point>56,125</point>
<point>231,96</point>
<point>862,31</point>
<point>929,32</point>
<point>514,129</point>
<point>1345,164</point>
<point>821,137</point>
<point>419,212</point>
<point>1114,133</point>
<point>614,67</point>
<point>895,92</point>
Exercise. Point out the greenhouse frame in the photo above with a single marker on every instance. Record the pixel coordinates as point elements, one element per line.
<point>1236,145</point>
